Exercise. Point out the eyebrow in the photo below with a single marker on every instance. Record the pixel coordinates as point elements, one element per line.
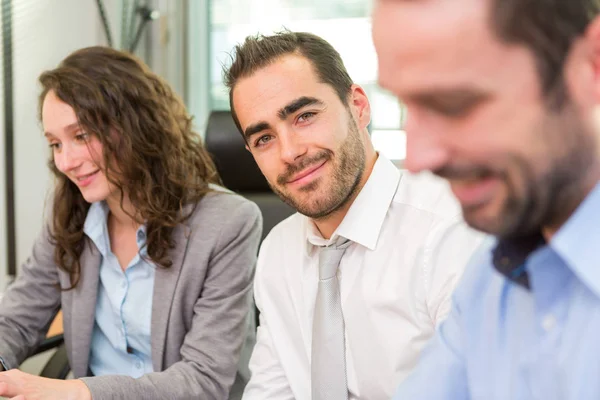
<point>296,105</point>
<point>283,113</point>
<point>70,127</point>
<point>435,97</point>
<point>256,128</point>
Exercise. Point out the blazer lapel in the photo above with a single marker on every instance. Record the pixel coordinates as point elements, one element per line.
<point>84,307</point>
<point>165,281</point>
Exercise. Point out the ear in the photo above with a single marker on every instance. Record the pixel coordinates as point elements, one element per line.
<point>582,68</point>
<point>359,104</point>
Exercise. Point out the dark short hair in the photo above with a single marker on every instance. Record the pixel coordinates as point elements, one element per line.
<point>548,28</point>
<point>258,51</point>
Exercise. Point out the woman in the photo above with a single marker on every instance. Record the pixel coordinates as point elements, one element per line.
<point>150,261</point>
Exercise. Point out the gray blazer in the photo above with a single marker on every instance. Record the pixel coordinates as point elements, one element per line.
<point>200,306</point>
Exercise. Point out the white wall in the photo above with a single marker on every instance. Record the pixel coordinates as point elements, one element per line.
<point>3,255</point>
<point>44,32</point>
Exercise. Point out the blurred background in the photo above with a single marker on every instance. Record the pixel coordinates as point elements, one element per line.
<point>185,41</point>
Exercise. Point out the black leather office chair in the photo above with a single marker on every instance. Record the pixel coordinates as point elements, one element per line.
<point>238,170</point>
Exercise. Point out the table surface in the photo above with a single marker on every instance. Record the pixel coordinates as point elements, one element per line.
<point>56,328</point>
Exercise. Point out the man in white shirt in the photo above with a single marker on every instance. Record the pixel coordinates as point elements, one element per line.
<point>401,239</point>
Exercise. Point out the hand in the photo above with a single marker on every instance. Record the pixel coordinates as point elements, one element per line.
<point>18,385</point>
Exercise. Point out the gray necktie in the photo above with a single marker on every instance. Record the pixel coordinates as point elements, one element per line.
<point>328,362</point>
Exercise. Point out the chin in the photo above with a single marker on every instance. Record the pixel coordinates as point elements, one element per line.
<point>489,220</point>
<point>481,218</point>
<point>92,196</point>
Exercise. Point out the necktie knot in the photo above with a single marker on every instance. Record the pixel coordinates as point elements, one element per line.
<point>330,257</point>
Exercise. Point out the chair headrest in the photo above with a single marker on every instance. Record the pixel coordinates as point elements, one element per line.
<point>235,164</point>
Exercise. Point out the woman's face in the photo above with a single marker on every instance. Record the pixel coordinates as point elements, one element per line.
<point>76,153</point>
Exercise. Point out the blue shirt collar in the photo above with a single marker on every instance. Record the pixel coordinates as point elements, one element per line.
<point>577,241</point>
<point>95,227</point>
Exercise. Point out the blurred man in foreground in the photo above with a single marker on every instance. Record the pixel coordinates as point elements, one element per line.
<point>501,98</point>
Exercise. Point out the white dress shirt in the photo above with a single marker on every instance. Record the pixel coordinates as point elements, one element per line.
<point>409,248</point>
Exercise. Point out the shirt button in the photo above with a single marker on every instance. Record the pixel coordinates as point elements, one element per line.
<point>138,364</point>
<point>548,322</point>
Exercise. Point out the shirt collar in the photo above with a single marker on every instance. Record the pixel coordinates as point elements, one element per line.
<point>364,220</point>
<point>509,256</point>
<point>577,241</point>
<point>95,227</point>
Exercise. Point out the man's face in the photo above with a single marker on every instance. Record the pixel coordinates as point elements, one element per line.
<point>305,140</point>
<point>477,115</point>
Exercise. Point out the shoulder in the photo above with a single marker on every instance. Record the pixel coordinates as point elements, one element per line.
<point>427,193</point>
<point>290,232</point>
<point>282,247</point>
<point>448,241</point>
<point>222,217</point>
<point>221,205</point>
<point>433,207</point>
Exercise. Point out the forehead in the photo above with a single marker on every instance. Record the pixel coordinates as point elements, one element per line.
<point>437,43</point>
<point>55,113</point>
<point>261,95</point>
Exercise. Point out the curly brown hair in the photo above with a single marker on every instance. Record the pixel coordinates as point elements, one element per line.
<point>161,163</point>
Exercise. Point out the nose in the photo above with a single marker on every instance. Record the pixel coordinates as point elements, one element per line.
<point>67,159</point>
<point>425,148</point>
<point>291,146</point>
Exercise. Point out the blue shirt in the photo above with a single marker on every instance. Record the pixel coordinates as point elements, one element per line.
<point>121,335</point>
<point>525,322</point>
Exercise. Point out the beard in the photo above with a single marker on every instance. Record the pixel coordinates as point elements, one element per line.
<point>325,195</point>
<point>541,190</point>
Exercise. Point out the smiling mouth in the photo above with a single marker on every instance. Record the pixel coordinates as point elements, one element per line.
<point>84,177</point>
<point>474,192</point>
<point>307,172</point>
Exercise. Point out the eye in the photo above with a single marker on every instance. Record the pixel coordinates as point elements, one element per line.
<point>82,137</point>
<point>261,141</point>
<point>456,106</point>
<point>55,146</point>
<point>306,116</point>
<point>454,110</point>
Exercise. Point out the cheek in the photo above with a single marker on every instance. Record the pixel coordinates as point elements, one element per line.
<point>104,178</point>
<point>331,136</point>
<point>95,152</point>
<point>500,136</point>
<point>58,162</point>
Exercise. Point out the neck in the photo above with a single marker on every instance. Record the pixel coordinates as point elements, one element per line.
<point>122,216</point>
<point>328,224</point>
<point>590,182</point>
